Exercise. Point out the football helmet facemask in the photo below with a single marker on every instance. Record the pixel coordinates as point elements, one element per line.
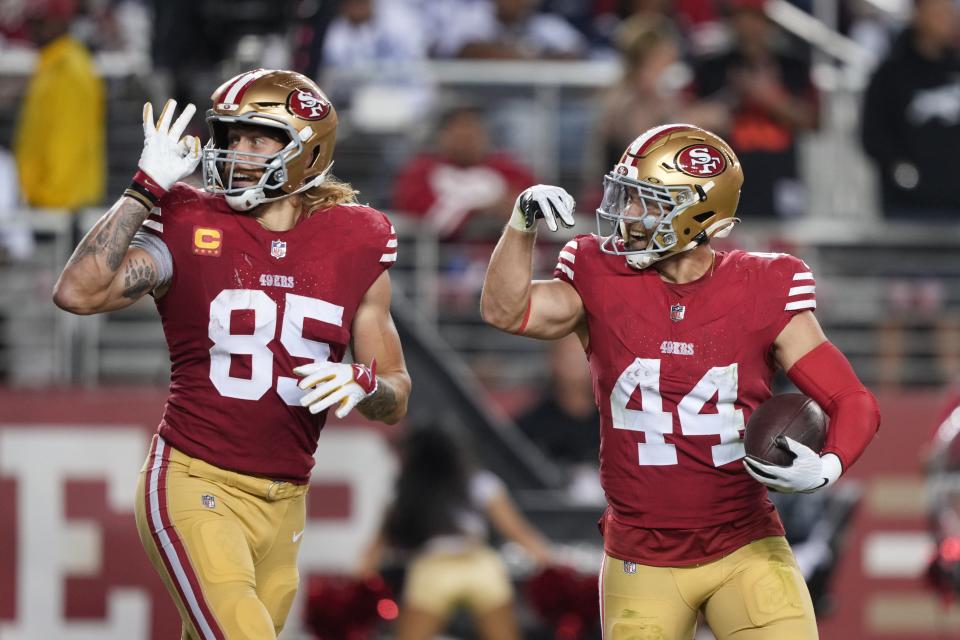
<point>285,101</point>
<point>680,182</point>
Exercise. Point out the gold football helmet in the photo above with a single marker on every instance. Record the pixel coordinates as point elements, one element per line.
<point>681,182</point>
<point>282,100</point>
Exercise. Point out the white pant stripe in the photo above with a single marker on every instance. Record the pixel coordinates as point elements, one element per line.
<point>167,548</point>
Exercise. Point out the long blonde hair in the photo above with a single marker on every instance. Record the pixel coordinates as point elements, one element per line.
<point>330,193</point>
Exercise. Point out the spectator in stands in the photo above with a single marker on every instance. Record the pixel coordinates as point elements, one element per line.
<point>595,19</point>
<point>650,91</point>
<point>371,43</point>
<point>510,29</point>
<point>911,129</point>
<point>911,117</point>
<point>59,141</point>
<point>699,21</point>
<point>188,47</point>
<point>563,423</point>
<point>462,188</point>
<point>122,27</point>
<point>772,100</point>
<point>437,521</point>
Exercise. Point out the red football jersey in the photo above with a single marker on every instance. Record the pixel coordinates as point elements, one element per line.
<point>677,369</point>
<point>244,307</point>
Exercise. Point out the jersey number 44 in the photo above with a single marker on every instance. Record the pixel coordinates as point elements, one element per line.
<point>654,422</point>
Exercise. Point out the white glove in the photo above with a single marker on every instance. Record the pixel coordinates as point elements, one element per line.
<point>808,472</point>
<point>166,157</point>
<point>336,383</point>
<point>542,201</point>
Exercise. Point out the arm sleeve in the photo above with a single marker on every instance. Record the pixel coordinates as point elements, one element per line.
<point>825,375</point>
<point>157,249</point>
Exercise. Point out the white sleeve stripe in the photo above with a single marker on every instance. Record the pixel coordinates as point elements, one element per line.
<point>392,243</point>
<point>806,275</point>
<point>565,269</point>
<point>566,255</point>
<point>796,291</point>
<point>800,304</point>
<point>153,224</point>
<point>392,230</point>
<point>571,246</point>
<point>389,257</point>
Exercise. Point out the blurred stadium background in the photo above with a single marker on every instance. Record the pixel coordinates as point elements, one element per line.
<point>80,397</point>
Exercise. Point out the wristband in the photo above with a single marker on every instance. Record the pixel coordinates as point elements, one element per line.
<point>145,190</point>
<point>366,377</point>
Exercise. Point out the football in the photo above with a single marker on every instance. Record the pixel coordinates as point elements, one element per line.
<point>789,414</point>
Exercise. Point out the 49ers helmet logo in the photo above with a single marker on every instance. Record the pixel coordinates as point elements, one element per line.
<point>701,161</point>
<point>307,105</point>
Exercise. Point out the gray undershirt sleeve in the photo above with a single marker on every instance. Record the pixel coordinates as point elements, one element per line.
<point>159,252</point>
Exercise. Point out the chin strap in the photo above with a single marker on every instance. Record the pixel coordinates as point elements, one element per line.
<point>256,196</point>
<point>640,261</point>
<point>719,229</point>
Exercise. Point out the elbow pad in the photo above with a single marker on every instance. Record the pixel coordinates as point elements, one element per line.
<point>825,375</point>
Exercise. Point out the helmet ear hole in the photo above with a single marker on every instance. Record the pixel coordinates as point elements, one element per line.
<point>703,217</point>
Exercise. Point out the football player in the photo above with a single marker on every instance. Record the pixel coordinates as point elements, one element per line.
<point>682,342</point>
<point>262,279</point>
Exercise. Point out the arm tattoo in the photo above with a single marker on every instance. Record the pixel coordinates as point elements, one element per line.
<point>381,404</point>
<point>110,237</point>
<point>138,278</point>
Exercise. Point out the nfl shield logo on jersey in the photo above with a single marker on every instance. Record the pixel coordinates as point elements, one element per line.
<point>676,312</point>
<point>208,501</point>
<point>278,249</point>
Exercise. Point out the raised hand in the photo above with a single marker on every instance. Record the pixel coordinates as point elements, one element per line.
<point>553,204</point>
<point>167,157</point>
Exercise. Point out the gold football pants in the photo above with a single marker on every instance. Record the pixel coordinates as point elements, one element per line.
<point>225,544</point>
<point>440,582</point>
<point>755,593</point>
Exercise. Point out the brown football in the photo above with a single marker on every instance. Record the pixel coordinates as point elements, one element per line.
<point>789,414</point>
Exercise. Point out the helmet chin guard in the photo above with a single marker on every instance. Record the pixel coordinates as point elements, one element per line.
<point>252,197</point>
<point>675,186</point>
<point>246,200</point>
